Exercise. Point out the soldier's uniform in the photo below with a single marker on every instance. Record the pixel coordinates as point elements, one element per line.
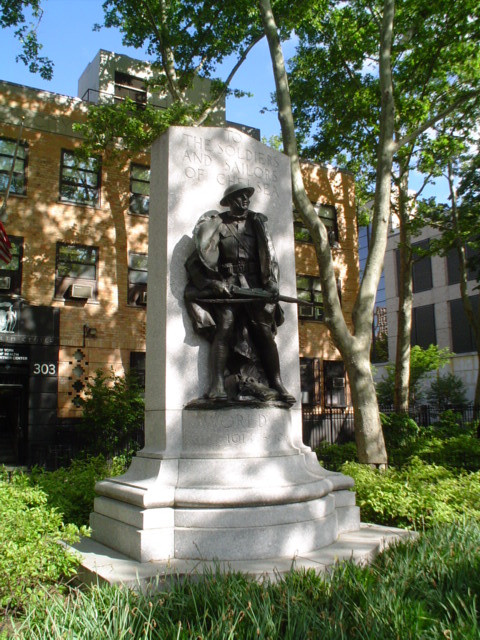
<point>235,249</point>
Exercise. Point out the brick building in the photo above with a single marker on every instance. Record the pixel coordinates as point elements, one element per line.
<point>73,298</point>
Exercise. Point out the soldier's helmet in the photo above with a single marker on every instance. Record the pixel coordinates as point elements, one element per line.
<point>235,188</point>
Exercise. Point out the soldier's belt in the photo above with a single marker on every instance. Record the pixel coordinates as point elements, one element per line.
<point>242,267</point>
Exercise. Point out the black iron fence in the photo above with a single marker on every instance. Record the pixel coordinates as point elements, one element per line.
<point>335,425</point>
<point>426,415</point>
<point>331,424</point>
<point>69,445</point>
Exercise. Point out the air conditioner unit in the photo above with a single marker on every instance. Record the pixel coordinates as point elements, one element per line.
<point>338,383</point>
<point>82,291</point>
<point>5,283</point>
<point>142,298</point>
<point>305,312</point>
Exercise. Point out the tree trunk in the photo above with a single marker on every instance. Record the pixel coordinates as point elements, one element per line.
<point>368,431</point>
<point>473,319</point>
<point>405,303</point>
<point>355,349</point>
<point>476,400</point>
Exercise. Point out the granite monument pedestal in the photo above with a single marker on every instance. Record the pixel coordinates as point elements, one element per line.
<point>239,490</point>
<point>233,481</point>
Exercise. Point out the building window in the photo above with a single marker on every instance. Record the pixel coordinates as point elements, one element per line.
<point>76,272</point>
<point>137,366</point>
<point>310,382</point>
<point>11,273</point>
<point>379,349</point>
<point>328,215</point>
<point>453,265</point>
<point>127,86</point>
<point>137,278</point>
<point>79,179</point>
<point>334,383</point>
<point>139,189</point>
<point>7,152</point>
<point>423,326</point>
<point>309,289</point>
<point>463,340</point>
<point>422,268</point>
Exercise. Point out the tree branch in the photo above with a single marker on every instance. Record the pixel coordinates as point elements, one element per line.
<point>168,61</point>
<point>425,182</point>
<point>374,15</point>
<point>431,121</point>
<point>364,304</point>
<point>230,76</point>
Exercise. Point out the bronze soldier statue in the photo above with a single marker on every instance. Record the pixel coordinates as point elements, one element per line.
<point>232,298</point>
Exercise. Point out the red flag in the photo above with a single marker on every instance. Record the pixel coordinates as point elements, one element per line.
<point>5,245</point>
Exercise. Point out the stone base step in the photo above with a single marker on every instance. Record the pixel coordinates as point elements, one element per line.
<point>99,563</point>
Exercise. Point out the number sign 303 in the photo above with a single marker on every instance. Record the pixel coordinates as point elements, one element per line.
<point>45,369</point>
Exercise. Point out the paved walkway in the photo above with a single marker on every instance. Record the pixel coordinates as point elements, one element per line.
<point>106,565</point>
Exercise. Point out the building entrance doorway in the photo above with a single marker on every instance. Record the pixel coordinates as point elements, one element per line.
<point>13,425</point>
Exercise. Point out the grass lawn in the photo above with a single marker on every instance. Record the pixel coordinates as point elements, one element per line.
<point>424,589</point>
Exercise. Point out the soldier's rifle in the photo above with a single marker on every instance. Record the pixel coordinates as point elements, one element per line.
<point>242,295</point>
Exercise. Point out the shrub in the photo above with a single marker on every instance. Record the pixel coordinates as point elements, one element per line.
<point>398,430</point>
<point>30,554</point>
<point>450,423</point>
<point>332,456</point>
<point>420,589</point>
<point>415,496</point>
<point>113,414</point>
<point>460,452</point>
<point>422,362</point>
<point>71,490</point>
<point>447,390</point>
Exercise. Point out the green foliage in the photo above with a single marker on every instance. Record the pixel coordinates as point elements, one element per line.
<point>398,430</point>
<point>422,362</point>
<point>447,390</point>
<point>417,495</point>
<point>123,126</point>
<point>275,142</point>
<point>30,554</point>
<point>459,452</point>
<point>333,456</point>
<point>113,413</point>
<point>193,30</point>
<point>379,349</point>
<point>185,42</point>
<point>71,490</point>
<point>458,221</point>
<point>420,589</point>
<point>15,13</point>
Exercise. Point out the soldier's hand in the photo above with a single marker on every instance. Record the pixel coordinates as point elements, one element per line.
<point>221,289</point>
<point>272,288</point>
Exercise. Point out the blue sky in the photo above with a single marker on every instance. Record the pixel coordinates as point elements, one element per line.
<point>68,39</point>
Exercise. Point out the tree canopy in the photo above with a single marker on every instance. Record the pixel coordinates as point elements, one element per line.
<point>335,83</point>
<point>25,16</point>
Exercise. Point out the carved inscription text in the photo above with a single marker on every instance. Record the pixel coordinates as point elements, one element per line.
<point>229,161</point>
